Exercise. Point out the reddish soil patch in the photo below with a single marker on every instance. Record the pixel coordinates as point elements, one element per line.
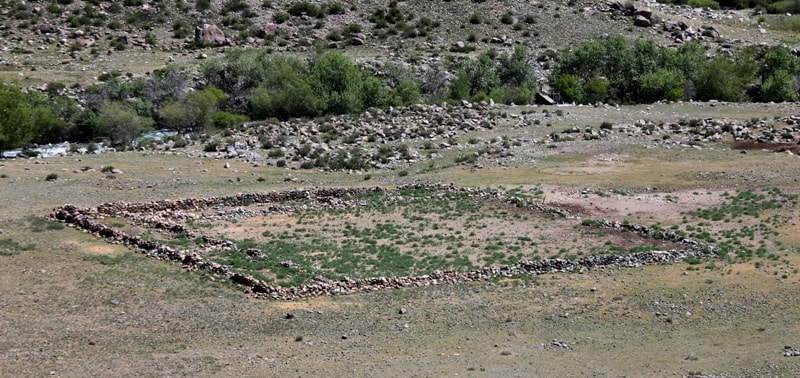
<point>774,147</point>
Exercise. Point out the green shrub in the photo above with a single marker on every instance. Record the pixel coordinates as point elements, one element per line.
<point>723,79</point>
<point>779,87</point>
<point>338,82</point>
<point>16,122</point>
<point>121,124</point>
<point>225,120</point>
<point>569,88</point>
<point>475,19</point>
<point>464,49</point>
<point>194,112</point>
<point>211,146</point>
<point>336,8</point>
<point>507,18</point>
<point>704,4</point>
<point>286,92</point>
<point>514,95</point>
<point>280,17</point>
<point>299,8</point>
<point>51,177</point>
<point>406,93</point>
<point>661,84</point>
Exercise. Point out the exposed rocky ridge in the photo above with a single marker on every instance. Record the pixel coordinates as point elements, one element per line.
<point>167,216</point>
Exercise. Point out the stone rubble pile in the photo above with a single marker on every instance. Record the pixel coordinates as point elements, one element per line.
<point>555,345</point>
<point>790,352</point>
<point>679,31</point>
<point>691,131</point>
<point>379,137</point>
<point>168,215</point>
<point>305,141</point>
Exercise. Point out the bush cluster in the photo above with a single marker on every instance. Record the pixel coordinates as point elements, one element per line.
<point>507,78</point>
<point>393,21</point>
<point>267,86</point>
<point>619,70</point>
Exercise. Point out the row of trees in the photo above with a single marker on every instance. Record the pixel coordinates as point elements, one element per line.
<point>620,70</point>
<point>254,84</point>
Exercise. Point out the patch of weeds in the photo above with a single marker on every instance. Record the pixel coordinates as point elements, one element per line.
<point>10,247</point>
<point>38,224</point>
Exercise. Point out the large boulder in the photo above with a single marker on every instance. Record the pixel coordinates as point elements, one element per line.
<point>84,42</point>
<point>646,13</point>
<point>641,21</point>
<point>47,28</point>
<point>210,35</point>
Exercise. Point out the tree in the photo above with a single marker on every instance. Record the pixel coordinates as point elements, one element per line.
<point>121,124</point>
<point>482,75</point>
<point>374,93</point>
<point>338,82</point>
<point>405,93</point>
<point>459,87</point>
<point>724,79</point>
<point>779,87</point>
<point>170,82</point>
<point>662,84</point>
<point>286,91</point>
<point>16,123</point>
<point>49,125</point>
<point>612,58</point>
<point>569,88</point>
<point>778,58</point>
<point>194,111</point>
<point>595,90</point>
<point>514,69</point>
<point>518,81</point>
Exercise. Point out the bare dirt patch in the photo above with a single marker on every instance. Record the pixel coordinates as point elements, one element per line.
<point>750,145</point>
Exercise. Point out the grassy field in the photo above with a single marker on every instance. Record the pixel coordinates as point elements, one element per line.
<point>74,305</point>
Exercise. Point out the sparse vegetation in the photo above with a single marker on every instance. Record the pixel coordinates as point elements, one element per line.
<point>328,94</point>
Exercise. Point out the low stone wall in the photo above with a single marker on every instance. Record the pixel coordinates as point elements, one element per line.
<point>169,216</point>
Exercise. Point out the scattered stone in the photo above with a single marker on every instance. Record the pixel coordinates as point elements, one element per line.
<point>788,351</point>
<point>555,345</point>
